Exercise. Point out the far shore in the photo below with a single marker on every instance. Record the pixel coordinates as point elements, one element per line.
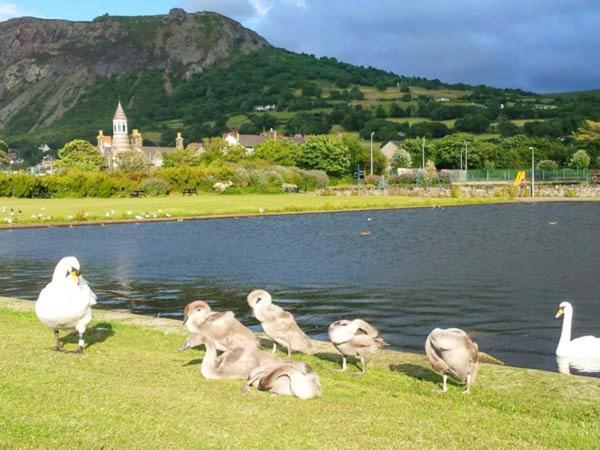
<point>44,213</point>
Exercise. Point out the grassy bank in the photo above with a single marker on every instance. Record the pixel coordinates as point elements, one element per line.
<point>52,211</point>
<point>132,389</point>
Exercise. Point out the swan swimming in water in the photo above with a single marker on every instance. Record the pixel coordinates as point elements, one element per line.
<point>66,302</point>
<point>587,347</point>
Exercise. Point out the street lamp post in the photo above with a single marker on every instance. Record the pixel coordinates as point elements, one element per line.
<point>372,134</point>
<point>532,172</point>
<point>423,154</point>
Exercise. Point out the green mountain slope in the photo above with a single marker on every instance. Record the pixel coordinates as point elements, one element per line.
<point>203,73</point>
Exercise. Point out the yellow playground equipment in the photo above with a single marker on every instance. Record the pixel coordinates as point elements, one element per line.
<point>520,178</point>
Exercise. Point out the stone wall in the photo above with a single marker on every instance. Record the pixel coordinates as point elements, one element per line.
<point>495,190</point>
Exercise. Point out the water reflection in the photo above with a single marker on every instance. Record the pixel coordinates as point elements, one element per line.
<point>497,271</point>
<point>577,366</point>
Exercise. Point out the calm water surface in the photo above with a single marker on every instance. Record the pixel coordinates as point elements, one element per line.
<point>497,271</point>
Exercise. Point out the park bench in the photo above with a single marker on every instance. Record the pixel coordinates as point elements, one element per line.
<point>190,191</point>
<point>137,193</point>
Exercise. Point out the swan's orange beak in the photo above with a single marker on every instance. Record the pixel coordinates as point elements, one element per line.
<point>559,313</point>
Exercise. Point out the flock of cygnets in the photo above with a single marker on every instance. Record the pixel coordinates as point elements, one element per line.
<point>66,302</point>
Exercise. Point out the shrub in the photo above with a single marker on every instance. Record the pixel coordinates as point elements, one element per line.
<point>404,178</point>
<point>580,159</point>
<point>155,186</point>
<point>241,177</point>
<point>547,165</point>
<point>372,179</point>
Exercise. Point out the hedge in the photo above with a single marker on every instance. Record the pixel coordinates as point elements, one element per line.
<point>244,178</point>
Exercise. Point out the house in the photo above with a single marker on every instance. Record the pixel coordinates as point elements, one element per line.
<point>389,149</point>
<point>121,142</point>
<point>249,141</point>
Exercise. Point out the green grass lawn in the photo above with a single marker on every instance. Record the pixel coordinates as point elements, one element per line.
<point>93,209</point>
<point>132,389</point>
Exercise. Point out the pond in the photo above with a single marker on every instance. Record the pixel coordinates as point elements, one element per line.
<point>497,271</point>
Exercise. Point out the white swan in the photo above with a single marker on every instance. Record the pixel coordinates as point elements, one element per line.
<point>582,347</point>
<point>66,302</point>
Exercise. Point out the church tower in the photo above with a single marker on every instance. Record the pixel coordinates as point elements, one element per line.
<point>120,141</point>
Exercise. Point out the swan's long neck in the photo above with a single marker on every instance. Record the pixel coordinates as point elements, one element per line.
<point>565,335</point>
<point>209,361</point>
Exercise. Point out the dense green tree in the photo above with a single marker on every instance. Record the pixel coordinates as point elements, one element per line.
<point>327,153</point>
<point>3,154</point>
<point>384,130</point>
<point>360,155</point>
<point>309,123</point>
<point>404,87</point>
<point>181,158</point>
<point>380,112</point>
<point>580,159</point>
<point>397,111</point>
<point>278,151</point>
<point>80,155</point>
<point>381,86</point>
<point>428,129</point>
<point>249,128</point>
<point>506,128</point>
<point>401,159</point>
<point>472,123</point>
<point>167,137</point>
<point>213,149</point>
<point>547,165</point>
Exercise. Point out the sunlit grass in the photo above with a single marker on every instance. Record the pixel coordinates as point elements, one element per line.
<point>48,211</point>
<point>132,389</point>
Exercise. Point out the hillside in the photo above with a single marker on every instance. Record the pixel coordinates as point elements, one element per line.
<point>203,74</point>
<point>48,66</point>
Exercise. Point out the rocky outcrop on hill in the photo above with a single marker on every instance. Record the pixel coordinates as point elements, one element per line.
<point>47,65</point>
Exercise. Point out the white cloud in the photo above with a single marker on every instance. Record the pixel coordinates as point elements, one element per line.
<point>8,11</point>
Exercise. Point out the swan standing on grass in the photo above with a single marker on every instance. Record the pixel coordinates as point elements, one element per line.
<point>278,324</point>
<point>453,353</point>
<point>295,379</point>
<point>66,302</point>
<point>585,347</point>
<point>234,364</point>
<point>355,338</point>
<point>222,327</point>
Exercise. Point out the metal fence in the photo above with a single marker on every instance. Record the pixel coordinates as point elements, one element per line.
<point>560,175</point>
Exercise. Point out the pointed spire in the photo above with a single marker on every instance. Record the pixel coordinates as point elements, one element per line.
<point>119,113</point>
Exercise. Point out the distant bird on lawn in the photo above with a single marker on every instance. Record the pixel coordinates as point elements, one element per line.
<point>222,327</point>
<point>66,302</point>
<point>453,353</point>
<point>355,338</point>
<point>235,364</point>
<point>278,324</point>
<point>295,379</point>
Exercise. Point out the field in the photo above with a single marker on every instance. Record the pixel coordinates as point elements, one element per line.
<point>132,389</point>
<point>47,211</point>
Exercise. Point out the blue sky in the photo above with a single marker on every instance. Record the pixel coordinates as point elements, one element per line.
<point>539,45</point>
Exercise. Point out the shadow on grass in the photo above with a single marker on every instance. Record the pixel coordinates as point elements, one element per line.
<point>193,362</point>
<point>94,335</point>
<point>418,372</point>
<point>337,358</point>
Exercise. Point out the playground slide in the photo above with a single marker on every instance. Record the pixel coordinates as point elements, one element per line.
<point>520,178</point>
